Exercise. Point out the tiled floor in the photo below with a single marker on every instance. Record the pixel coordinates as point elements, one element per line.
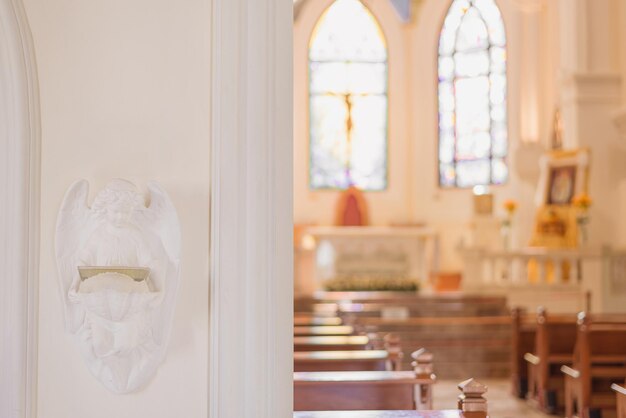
<point>501,403</point>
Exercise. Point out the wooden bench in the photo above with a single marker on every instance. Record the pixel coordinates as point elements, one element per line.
<point>380,414</point>
<point>620,392</point>
<point>523,328</point>
<point>351,360</point>
<point>331,343</point>
<point>599,360</point>
<point>555,337</point>
<point>326,361</point>
<point>471,404</point>
<point>457,342</point>
<point>366,390</point>
<point>310,320</point>
<point>323,330</point>
<point>320,391</point>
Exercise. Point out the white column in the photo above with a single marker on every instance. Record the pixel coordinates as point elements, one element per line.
<point>251,221</point>
<point>531,71</point>
<point>619,117</point>
<point>19,216</point>
<point>591,93</point>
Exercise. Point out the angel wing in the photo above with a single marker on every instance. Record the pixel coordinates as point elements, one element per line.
<point>160,217</point>
<point>75,223</point>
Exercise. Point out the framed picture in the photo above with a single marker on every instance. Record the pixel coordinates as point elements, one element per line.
<point>563,175</point>
<point>561,185</point>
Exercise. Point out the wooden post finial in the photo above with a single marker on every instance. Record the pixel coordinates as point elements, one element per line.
<point>394,351</point>
<point>517,311</point>
<point>583,319</point>
<point>471,400</point>
<point>423,363</point>
<point>542,315</point>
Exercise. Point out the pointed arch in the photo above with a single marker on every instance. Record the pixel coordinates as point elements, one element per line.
<point>473,135</point>
<point>348,99</point>
<point>19,219</point>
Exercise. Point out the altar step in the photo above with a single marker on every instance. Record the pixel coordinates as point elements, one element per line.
<point>468,335</point>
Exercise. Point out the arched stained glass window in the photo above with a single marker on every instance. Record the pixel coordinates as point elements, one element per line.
<point>472,95</point>
<point>348,99</point>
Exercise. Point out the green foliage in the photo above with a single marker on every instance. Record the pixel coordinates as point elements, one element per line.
<point>365,284</point>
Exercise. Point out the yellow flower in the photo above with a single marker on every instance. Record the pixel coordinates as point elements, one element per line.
<point>582,201</point>
<point>510,206</point>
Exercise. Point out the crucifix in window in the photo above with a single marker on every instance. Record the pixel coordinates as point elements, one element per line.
<point>348,134</point>
<point>348,100</point>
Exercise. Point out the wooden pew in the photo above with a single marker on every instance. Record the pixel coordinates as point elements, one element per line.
<point>599,359</point>
<point>471,404</point>
<point>326,361</point>
<point>523,328</point>
<point>381,414</point>
<point>331,343</point>
<point>620,393</point>
<point>365,390</point>
<point>351,360</point>
<point>310,320</point>
<point>451,339</point>
<point>323,330</point>
<point>555,337</point>
<point>447,304</point>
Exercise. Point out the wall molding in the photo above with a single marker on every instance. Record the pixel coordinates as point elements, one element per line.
<point>592,88</point>
<point>251,286</point>
<point>19,218</point>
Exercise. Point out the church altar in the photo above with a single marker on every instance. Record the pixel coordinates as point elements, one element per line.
<point>384,252</point>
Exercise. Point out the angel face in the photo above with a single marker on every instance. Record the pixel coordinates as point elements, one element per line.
<point>117,202</point>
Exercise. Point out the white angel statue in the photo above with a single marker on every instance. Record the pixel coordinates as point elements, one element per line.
<point>121,302</point>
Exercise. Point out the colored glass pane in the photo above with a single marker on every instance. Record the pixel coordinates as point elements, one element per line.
<point>348,99</point>
<point>473,141</point>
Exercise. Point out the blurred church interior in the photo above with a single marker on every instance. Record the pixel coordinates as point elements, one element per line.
<point>459,177</point>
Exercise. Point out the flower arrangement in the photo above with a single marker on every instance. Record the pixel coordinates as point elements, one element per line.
<point>582,202</point>
<point>510,206</point>
<point>365,283</point>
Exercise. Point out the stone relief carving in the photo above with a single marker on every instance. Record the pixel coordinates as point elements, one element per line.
<point>118,263</point>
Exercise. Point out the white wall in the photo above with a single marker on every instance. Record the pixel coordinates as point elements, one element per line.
<point>125,93</point>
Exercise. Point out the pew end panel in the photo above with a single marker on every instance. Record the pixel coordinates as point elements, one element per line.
<point>423,367</point>
<point>620,394</point>
<point>555,339</point>
<point>523,329</point>
<point>599,360</point>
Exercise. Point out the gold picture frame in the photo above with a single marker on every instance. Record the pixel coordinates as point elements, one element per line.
<point>564,175</point>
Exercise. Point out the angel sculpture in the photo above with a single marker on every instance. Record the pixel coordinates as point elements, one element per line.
<point>118,265</point>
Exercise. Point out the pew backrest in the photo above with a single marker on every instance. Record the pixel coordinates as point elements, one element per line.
<point>311,320</point>
<point>330,342</point>
<point>323,330</point>
<point>357,390</point>
<point>360,360</point>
